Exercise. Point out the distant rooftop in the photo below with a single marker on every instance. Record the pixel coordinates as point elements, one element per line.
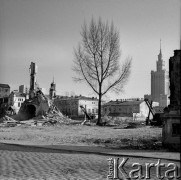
<point>76,97</point>
<point>4,86</point>
<point>125,103</point>
<point>18,94</point>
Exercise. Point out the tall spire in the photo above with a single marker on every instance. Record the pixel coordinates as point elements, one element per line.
<point>160,54</point>
<point>53,79</point>
<point>160,46</point>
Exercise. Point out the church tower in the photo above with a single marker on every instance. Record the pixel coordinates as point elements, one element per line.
<point>52,91</point>
<point>160,82</point>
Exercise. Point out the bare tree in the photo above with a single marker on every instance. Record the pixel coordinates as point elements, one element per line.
<point>97,60</point>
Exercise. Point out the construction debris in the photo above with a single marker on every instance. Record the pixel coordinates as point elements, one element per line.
<point>38,109</point>
<point>7,121</point>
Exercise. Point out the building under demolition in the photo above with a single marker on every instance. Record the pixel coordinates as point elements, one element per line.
<point>38,103</point>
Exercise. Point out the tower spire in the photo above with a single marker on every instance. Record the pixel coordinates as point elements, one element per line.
<point>160,46</point>
<point>160,54</point>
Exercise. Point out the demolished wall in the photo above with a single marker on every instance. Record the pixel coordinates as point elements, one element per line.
<point>39,105</point>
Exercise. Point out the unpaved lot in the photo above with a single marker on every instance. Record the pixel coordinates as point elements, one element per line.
<point>77,134</point>
<point>33,163</point>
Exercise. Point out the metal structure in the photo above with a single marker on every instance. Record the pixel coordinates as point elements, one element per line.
<point>85,112</point>
<point>157,120</point>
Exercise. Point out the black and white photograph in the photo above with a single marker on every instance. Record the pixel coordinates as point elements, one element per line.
<point>90,89</point>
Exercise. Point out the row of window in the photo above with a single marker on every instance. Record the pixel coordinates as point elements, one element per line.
<point>20,99</point>
<point>4,90</point>
<point>125,110</point>
<point>66,103</point>
<point>75,110</point>
<point>93,111</point>
<point>94,103</point>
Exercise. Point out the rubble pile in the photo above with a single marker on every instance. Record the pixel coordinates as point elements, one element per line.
<point>7,121</point>
<point>51,117</point>
<point>38,111</point>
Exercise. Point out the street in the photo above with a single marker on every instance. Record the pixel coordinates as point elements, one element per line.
<point>33,163</point>
<point>17,163</point>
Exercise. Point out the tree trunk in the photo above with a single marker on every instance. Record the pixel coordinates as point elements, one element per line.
<point>99,109</point>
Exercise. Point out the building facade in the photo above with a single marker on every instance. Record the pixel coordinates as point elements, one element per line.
<point>15,101</point>
<point>4,90</point>
<point>132,108</point>
<point>23,89</point>
<point>70,106</point>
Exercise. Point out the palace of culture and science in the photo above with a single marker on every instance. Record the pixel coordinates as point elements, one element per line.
<point>159,83</point>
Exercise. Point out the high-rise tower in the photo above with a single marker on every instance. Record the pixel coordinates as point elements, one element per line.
<point>160,82</point>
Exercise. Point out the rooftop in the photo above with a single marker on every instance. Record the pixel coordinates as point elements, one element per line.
<point>4,86</point>
<point>76,97</point>
<point>18,94</point>
<point>124,103</point>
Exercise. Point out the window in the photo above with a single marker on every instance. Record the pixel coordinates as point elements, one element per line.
<point>175,129</point>
<point>92,110</point>
<point>19,104</point>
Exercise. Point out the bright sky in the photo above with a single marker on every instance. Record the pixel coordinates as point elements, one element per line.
<point>46,32</point>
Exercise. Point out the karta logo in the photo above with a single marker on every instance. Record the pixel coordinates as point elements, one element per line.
<point>117,170</point>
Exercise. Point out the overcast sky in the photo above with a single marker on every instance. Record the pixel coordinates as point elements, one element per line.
<point>46,32</point>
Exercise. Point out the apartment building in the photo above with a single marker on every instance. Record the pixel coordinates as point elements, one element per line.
<point>4,90</point>
<point>70,106</point>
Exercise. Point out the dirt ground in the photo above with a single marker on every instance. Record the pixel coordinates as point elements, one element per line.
<point>31,163</point>
<point>75,134</point>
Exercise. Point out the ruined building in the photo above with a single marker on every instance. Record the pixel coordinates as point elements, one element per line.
<point>4,96</point>
<point>33,82</point>
<point>37,104</point>
<point>171,127</point>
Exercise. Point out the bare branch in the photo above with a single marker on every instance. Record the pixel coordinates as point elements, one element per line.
<point>97,59</point>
